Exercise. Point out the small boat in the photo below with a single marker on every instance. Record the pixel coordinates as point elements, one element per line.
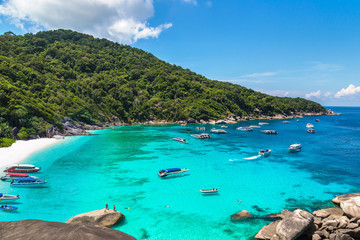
<point>8,208</point>
<point>170,171</point>
<point>295,147</point>
<point>218,131</point>
<point>224,126</point>
<point>22,168</point>
<point>265,152</point>
<point>311,130</point>
<point>4,197</point>
<point>27,182</point>
<point>309,125</point>
<point>180,140</point>
<point>183,125</point>
<point>213,190</point>
<point>297,120</point>
<point>245,129</point>
<point>201,136</point>
<point>255,126</point>
<point>200,128</point>
<point>317,120</point>
<point>10,176</point>
<point>285,122</point>
<point>269,132</point>
<point>263,123</point>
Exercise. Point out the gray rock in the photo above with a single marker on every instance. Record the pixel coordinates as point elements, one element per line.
<point>341,236</point>
<point>351,207</point>
<point>294,224</point>
<point>333,223</point>
<point>191,120</point>
<point>315,237</point>
<point>274,216</point>
<point>343,222</point>
<point>15,132</point>
<point>329,212</point>
<point>50,132</point>
<point>267,231</point>
<point>321,213</point>
<point>352,225</point>
<point>37,229</point>
<point>240,215</point>
<point>103,217</point>
<point>317,221</point>
<point>341,198</point>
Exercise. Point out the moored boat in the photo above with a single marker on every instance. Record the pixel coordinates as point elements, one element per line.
<point>245,129</point>
<point>285,122</point>
<point>224,126</point>
<point>309,125</point>
<point>200,128</point>
<point>265,152</point>
<point>317,120</point>
<point>27,182</point>
<point>22,168</point>
<point>295,147</point>
<point>269,132</point>
<point>255,126</point>
<point>311,130</point>
<point>10,176</point>
<point>263,123</point>
<point>180,140</point>
<point>212,190</point>
<point>8,208</point>
<point>218,131</point>
<point>4,197</point>
<point>201,136</point>
<point>170,171</point>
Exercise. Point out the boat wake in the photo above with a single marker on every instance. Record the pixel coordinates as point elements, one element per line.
<point>252,158</point>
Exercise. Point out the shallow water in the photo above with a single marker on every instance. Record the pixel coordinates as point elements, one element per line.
<point>119,166</point>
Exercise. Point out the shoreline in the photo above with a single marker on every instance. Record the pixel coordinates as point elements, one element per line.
<point>21,149</point>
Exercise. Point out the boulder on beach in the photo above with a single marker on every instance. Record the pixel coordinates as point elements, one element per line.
<point>294,224</point>
<point>351,207</point>
<point>103,217</point>
<point>240,215</point>
<point>38,229</point>
<point>341,198</point>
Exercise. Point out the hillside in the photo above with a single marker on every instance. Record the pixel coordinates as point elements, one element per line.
<point>49,75</point>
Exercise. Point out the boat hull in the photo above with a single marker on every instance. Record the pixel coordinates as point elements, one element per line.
<point>28,185</point>
<point>22,170</point>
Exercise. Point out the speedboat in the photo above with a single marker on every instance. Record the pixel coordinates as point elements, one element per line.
<point>263,123</point>
<point>285,121</point>
<point>265,152</point>
<point>200,128</point>
<point>255,126</point>
<point>309,125</point>
<point>245,129</point>
<point>224,126</point>
<point>311,130</point>
<point>212,190</point>
<point>27,182</point>
<point>10,176</point>
<point>269,132</point>
<point>317,120</point>
<point>295,147</point>
<point>201,136</point>
<point>4,197</point>
<point>170,171</point>
<point>180,140</point>
<point>22,168</point>
<point>8,208</point>
<point>218,131</point>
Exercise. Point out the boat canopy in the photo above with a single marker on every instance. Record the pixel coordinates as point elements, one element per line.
<point>1,194</point>
<point>171,169</point>
<point>24,179</point>
<point>264,150</point>
<point>22,165</point>
<point>17,174</point>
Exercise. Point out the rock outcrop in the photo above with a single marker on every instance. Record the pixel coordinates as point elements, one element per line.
<point>240,215</point>
<point>37,229</point>
<point>351,207</point>
<point>342,198</point>
<point>103,217</point>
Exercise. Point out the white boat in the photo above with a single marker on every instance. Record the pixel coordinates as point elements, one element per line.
<point>263,123</point>
<point>295,147</point>
<point>212,190</point>
<point>4,197</point>
<point>285,122</point>
<point>218,131</point>
<point>180,140</point>
<point>317,120</point>
<point>200,128</point>
<point>265,152</point>
<point>269,132</point>
<point>245,129</point>
<point>224,126</point>
<point>27,182</point>
<point>10,176</point>
<point>201,136</point>
<point>22,168</point>
<point>170,171</point>
<point>311,130</point>
<point>309,125</point>
<point>255,126</point>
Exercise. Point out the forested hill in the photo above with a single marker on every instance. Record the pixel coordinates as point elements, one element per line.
<point>49,75</point>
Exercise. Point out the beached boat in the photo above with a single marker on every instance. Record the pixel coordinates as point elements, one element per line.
<point>218,131</point>
<point>22,168</point>
<point>295,147</point>
<point>311,130</point>
<point>180,140</point>
<point>4,197</point>
<point>269,132</point>
<point>245,129</point>
<point>212,190</point>
<point>8,208</point>
<point>27,182</point>
<point>170,171</point>
<point>10,176</point>
<point>309,125</point>
<point>265,152</point>
<point>201,136</point>
<point>263,123</point>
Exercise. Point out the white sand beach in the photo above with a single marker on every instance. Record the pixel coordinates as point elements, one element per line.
<point>21,149</point>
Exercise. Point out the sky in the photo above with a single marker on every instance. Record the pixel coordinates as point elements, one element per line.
<point>293,48</point>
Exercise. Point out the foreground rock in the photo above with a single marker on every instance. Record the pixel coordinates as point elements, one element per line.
<point>240,215</point>
<point>351,207</point>
<point>103,217</point>
<point>342,198</point>
<point>37,229</point>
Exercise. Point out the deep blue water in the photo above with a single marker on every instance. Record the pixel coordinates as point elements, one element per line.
<point>119,166</point>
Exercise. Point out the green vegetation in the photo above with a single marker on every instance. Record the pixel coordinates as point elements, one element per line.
<point>49,75</point>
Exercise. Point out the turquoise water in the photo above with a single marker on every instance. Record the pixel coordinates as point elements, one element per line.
<point>119,166</point>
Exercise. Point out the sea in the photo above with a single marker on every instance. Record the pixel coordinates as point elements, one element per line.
<point>119,166</point>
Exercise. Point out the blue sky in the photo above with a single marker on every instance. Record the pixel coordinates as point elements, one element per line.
<point>282,47</point>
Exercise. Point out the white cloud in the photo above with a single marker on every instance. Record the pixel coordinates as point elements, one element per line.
<point>327,94</point>
<point>350,90</point>
<point>124,21</point>
<point>326,66</point>
<point>256,75</point>
<point>316,94</point>
<point>190,1</point>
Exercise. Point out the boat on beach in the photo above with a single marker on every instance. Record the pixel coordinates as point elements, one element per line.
<point>22,168</point>
<point>4,197</point>
<point>27,182</point>
<point>295,147</point>
<point>245,128</point>
<point>8,208</point>
<point>171,171</point>
<point>265,152</point>
<point>180,140</point>
<point>10,176</point>
<point>309,125</point>
<point>217,131</point>
<point>201,136</point>
<point>269,132</point>
<point>212,190</point>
